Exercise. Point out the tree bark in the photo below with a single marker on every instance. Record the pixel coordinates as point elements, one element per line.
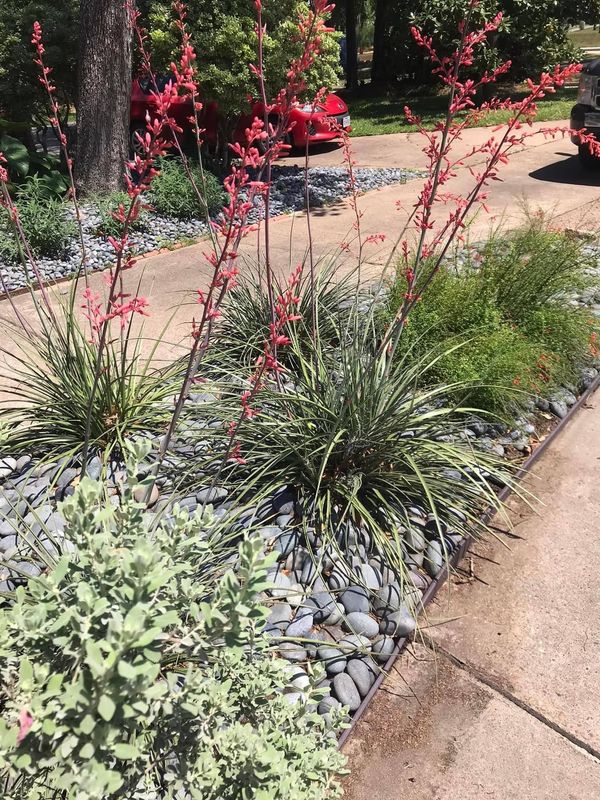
<point>104,95</point>
<point>378,68</point>
<point>351,45</point>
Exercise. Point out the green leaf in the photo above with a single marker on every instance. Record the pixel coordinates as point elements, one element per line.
<point>88,723</point>
<point>16,155</point>
<point>127,670</point>
<point>87,751</point>
<point>26,671</point>
<point>149,636</point>
<point>94,659</point>
<point>106,707</point>
<point>49,727</point>
<point>126,752</point>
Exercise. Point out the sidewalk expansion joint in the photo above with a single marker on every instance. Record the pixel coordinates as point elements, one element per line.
<point>494,686</point>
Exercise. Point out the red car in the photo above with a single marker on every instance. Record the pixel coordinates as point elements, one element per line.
<point>306,123</point>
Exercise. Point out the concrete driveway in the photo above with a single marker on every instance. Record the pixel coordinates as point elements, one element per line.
<point>546,175</point>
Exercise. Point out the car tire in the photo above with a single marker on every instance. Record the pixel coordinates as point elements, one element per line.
<point>262,146</point>
<point>134,145</point>
<point>587,159</point>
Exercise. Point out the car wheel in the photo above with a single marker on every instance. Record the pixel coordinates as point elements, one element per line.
<point>587,159</point>
<point>137,129</point>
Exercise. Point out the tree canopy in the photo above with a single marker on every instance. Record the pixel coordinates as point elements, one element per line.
<point>22,98</point>
<point>226,44</point>
<point>533,36</point>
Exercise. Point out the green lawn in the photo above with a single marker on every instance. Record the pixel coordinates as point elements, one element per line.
<point>375,115</point>
<point>585,38</point>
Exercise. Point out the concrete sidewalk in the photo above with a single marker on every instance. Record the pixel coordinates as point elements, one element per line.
<point>500,697</point>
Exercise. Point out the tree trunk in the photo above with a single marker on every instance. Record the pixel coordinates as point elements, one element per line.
<point>104,93</point>
<point>351,45</point>
<point>378,66</point>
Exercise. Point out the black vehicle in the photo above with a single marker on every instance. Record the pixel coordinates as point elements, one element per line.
<point>586,114</point>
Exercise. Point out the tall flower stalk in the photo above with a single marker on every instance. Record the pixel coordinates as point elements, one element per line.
<point>50,88</point>
<point>250,176</point>
<point>434,240</point>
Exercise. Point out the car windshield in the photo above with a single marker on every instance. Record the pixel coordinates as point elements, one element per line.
<point>147,84</point>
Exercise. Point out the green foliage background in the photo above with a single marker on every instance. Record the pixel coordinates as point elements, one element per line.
<point>533,34</point>
<point>226,43</point>
<point>21,95</point>
<point>515,334</point>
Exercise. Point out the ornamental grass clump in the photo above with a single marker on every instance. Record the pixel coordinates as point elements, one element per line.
<point>50,403</point>
<point>325,306</point>
<point>135,668</point>
<point>108,211</point>
<point>507,305</point>
<point>362,444</point>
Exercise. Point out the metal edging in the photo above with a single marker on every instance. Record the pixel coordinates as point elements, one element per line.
<point>437,583</point>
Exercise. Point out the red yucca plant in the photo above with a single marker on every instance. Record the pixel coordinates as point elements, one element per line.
<point>250,177</point>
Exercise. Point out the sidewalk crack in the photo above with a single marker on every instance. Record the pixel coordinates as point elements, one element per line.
<point>495,687</point>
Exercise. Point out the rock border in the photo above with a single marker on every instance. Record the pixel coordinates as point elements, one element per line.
<point>438,582</point>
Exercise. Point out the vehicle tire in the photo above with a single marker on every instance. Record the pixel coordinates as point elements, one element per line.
<point>588,160</point>
<point>134,145</point>
<point>262,146</point>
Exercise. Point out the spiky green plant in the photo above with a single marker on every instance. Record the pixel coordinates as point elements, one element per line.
<point>48,387</point>
<point>362,444</point>
<point>325,306</point>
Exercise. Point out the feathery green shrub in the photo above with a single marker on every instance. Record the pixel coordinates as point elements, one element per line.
<point>506,309</point>
<point>173,194</point>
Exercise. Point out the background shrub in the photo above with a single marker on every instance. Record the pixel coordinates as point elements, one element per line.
<point>173,194</point>
<point>141,671</point>
<point>44,220</point>
<point>506,308</point>
<point>108,205</point>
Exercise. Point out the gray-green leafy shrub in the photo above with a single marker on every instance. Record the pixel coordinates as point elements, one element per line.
<point>142,671</point>
<point>173,194</point>
<point>44,220</point>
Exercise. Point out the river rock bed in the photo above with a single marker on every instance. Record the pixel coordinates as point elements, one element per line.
<point>347,613</point>
<point>326,186</point>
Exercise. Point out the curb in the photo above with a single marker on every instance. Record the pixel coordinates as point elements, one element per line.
<point>438,582</point>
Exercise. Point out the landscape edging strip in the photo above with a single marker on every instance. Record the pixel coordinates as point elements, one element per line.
<point>437,583</point>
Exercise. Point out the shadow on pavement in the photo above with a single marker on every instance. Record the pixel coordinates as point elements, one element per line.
<point>568,171</point>
<point>320,148</point>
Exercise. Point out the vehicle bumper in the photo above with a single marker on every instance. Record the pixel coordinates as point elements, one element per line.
<point>321,129</point>
<point>580,119</point>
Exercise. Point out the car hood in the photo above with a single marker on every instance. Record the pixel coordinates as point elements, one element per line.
<point>334,105</point>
